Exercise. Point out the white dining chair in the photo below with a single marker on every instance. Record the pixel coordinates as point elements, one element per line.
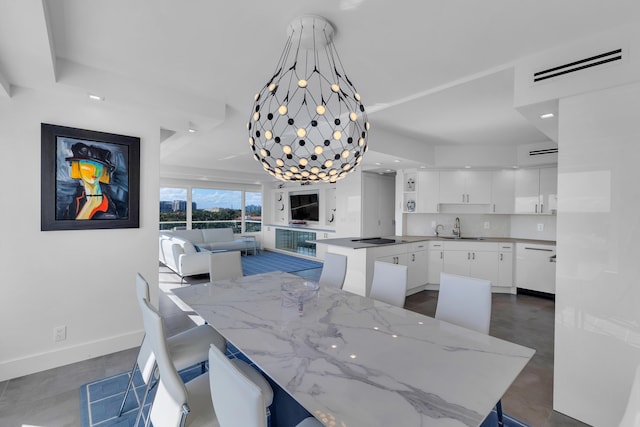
<point>389,283</point>
<point>334,270</point>
<point>175,403</point>
<point>466,301</point>
<point>238,393</point>
<point>225,265</point>
<point>185,349</point>
<point>631,416</point>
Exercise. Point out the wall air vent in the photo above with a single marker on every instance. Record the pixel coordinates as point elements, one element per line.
<point>541,152</point>
<point>582,64</point>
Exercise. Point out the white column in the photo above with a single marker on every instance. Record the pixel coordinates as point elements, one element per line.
<point>597,331</point>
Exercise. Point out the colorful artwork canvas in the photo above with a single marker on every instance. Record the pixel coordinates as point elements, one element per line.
<point>89,179</point>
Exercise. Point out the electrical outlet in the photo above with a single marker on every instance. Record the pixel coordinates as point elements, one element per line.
<point>433,224</point>
<point>487,225</point>
<point>59,333</point>
<point>540,227</point>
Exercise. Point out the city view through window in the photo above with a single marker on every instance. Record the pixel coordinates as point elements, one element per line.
<point>210,208</point>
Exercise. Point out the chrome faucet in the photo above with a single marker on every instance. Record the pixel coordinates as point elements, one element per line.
<point>437,227</point>
<point>456,228</point>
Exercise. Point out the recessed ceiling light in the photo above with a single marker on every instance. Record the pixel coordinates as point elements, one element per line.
<point>423,167</point>
<point>388,170</point>
<point>192,130</point>
<point>396,161</point>
<point>96,97</point>
<point>514,167</point>
<point>378,163</point>
<point>547,116</point>
<point>467,167</point>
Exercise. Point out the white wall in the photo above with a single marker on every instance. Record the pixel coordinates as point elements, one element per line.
<point>526,227</point>
<point>597,331</point>
<point>349,205</point>
<point>81,279</point>
<point>473,225</point>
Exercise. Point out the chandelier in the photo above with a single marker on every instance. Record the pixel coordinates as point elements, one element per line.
<point>307,122</point>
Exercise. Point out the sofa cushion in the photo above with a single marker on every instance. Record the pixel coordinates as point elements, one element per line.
<point>215,235</point>
<point>187,247</point>
<point>194,236</point>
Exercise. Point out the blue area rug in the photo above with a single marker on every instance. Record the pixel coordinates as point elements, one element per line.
<point>266,262</point>
<point>100,401</point>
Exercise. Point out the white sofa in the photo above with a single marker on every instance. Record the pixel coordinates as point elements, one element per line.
<point>187,251</point>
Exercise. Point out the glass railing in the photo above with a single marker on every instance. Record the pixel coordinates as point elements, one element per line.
<point>173,225</point>
<point>236,225</point>
<point>252,226</point>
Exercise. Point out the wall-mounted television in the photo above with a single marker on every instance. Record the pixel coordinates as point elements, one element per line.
<point>304,207</point>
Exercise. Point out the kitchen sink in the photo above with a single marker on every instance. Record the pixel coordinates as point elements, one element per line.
<point>460,238</point>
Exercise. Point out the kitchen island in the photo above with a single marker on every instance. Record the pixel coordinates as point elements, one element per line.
<point>426,256</point>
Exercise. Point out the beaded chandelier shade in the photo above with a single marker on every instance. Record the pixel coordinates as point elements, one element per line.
<point>307,123</point>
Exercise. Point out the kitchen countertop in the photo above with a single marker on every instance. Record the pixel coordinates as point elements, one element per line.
<point>353,243</point>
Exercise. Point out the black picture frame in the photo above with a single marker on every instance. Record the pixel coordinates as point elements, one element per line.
<point>66,202</point>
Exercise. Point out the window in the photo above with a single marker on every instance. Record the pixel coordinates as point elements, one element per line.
<point>216,209</point>
<point>252,212</point>
<point>196,208</point>
<point>173,208</point>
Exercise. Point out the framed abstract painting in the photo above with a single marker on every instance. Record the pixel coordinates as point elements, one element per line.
<point>90,180</point>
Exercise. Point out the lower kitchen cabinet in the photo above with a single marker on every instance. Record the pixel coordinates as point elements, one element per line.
<point>436,257</point>
<point>417,263</point>
<point>473,259</point>
<point>414,256</point>
<point>505,265</point>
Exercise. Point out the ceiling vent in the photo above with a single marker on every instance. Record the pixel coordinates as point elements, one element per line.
<point>582,64</point>
<point>537,154</point>
<point>543,152</point>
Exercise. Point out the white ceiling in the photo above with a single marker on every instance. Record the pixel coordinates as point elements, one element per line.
<point>438,72</point>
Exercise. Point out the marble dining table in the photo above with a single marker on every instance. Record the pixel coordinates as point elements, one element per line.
<point>352,361</point>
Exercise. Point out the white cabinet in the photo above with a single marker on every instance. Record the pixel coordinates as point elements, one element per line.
<point>399,258</point>
<point>505,265</point>
<point>428,183</point>
<point>413,255</point>
<point>503,188</point>
<point>536,191</point>
<point>548,190</point>
<point>535,268</point>
<point>436,257</point>
<point>474,259</point>
<point>417,265</point>
<point>465,187</point>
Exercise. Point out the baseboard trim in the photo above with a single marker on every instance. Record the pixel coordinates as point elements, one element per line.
<point>33,363</point>
<point>546,295</point>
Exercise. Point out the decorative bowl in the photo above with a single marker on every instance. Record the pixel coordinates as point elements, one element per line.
<point>297,293</point>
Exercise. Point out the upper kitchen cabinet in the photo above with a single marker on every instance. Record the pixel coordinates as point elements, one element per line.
<point>465,187</point>
<point>428,190</point>
<point>503,188</point>
<point>536,191</point>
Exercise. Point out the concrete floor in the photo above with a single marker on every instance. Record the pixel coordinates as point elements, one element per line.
<point>51,398</point>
